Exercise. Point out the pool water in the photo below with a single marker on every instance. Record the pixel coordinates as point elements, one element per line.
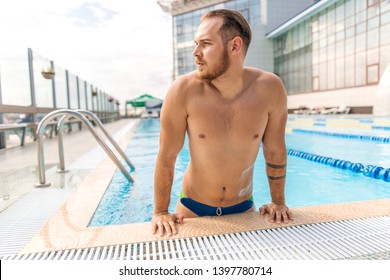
<point>308,182</point>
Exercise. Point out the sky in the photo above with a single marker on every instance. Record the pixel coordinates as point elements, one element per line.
<point>124,47</point>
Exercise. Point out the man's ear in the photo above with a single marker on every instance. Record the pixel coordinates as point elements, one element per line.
<point>236,44</point>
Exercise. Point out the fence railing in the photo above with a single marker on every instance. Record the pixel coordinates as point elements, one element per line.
<point>32,86</point>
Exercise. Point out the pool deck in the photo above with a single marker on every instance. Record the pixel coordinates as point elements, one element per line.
<point>55,218</point>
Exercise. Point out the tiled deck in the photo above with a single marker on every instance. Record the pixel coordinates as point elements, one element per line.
<point>85,184</point>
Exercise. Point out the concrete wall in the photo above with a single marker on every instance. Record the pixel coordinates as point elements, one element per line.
<point>363,97</point>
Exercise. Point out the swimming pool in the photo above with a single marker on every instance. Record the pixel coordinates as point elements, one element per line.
<point>309,182</point>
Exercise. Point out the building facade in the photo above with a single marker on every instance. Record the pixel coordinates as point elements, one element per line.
<point>328,53</point>
<point>187,13</point>
<point>335,53</point>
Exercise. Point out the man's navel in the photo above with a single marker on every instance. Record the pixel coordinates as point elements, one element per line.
<point>202,136</point>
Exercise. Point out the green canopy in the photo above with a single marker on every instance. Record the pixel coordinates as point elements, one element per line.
<point>140,101</point>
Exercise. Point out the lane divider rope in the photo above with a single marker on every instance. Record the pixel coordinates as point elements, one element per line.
<point>343,135</point>
<point>372,171</point>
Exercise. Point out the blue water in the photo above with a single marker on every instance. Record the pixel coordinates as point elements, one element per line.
<point>308,182</point>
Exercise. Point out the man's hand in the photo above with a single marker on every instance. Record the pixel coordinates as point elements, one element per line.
<point>165,223</point>
<point>277,212</point>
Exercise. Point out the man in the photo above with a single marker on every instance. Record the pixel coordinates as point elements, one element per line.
<point>227,110</point>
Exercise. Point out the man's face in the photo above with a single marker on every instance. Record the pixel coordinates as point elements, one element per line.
<point>211,56</point>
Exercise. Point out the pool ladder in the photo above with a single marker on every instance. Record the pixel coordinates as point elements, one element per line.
<point>83,116</point>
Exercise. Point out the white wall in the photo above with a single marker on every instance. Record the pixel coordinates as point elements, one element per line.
<point>351,97</point>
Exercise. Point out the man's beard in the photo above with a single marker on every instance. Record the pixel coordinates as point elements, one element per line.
<point>221,69</point>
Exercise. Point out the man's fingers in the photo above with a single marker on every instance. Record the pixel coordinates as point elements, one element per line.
<point>167,228</point>
<point>278,216</point>
<point>180,219</point>
<point>271,215</point>
<point>160,228</point>
<point>290,215</point>
<point>154,227</point>
<point>264,209</point>
<point>285,217</point>
<point>172,227</point>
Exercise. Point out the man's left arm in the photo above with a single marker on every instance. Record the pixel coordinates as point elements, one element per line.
<point>275,154</point>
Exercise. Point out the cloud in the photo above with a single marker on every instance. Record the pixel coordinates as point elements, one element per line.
<point>91,15</point>
<point>122,47</point>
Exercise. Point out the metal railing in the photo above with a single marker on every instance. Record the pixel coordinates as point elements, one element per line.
<point>81,116</point>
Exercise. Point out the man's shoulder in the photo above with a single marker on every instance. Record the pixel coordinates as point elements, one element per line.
<point>188,81</point>
<point>263,76</point>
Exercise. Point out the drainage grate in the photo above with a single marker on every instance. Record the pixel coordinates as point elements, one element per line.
<point>332,240</point>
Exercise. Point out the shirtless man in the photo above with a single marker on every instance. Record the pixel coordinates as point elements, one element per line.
<point>228,110</point>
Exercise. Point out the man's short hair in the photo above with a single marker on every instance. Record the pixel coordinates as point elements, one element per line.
<point>234,24</point>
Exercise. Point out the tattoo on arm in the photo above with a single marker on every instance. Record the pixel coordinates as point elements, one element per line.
<point>276,166</point>
<point>276,177</point>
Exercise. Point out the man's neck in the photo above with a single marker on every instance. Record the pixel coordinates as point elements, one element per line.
<point>230,84</point>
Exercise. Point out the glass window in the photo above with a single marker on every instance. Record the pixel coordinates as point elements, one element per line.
<point>315,70</point>
<point>350,21</point>
<point>361,16</point>
<point>314,26</point>
<point>323,76</point>
<point>373,11</point>
<point>373,38</point>
<point>323,55</point>
<point>331,75</point>
<point>373,23</point>
<point>349,73</point>
<point>340,26</point>
<point>323,42</point>
<point>349,8</point>
<point>331,29</point>
<point>384,34</point>
<point>308,80</point>
<point>316,37</point>
<point>360,5</point>
<point>340,72</point>
<point>340,12</point>
<point>322,22</point>
<point>385,6</point>
<point>350,32</point>
<point>384,58</point>
<point>373,56</point>
<point>361,27</point>
<point>361,42</point>
<point>360,68</point>
<point>331,52</point>
<point>331,39</point>
<point>373,74</point>
<point>372,2</point>
<point>340,36</point>
<point>331,15</point>
<point>316,84</point>
<point>350,46</point>
<point>385,18</point>
<point>340,51</point>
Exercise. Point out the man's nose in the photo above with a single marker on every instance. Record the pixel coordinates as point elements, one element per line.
<point>196,52</point>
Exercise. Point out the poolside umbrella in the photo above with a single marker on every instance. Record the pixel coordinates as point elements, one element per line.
<point>140,101</point>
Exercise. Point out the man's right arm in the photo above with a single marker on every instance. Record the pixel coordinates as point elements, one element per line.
<point>173,121</point>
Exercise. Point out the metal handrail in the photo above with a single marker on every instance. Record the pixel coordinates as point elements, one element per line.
<point>113,142</point>
<point>65,113</point>
<point>91,115</point>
